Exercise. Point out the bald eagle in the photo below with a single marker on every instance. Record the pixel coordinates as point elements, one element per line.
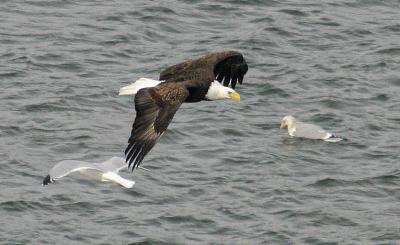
<point>156,101</point>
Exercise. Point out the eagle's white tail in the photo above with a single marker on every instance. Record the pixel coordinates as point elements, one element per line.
<point>137,85</point>
<point>118,179</point>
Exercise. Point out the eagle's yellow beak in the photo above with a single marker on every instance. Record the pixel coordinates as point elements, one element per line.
<point>283,125</point>
<point>235,96</point>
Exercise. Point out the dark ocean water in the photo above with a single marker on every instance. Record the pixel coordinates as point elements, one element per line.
<point>223,173</point>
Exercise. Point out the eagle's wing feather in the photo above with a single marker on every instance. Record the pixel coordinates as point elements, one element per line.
<point>231,69</point>
<point>227,67</point>
<point>155,108</point>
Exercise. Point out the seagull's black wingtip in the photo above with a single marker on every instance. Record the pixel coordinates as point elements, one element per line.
<point>47,180</point>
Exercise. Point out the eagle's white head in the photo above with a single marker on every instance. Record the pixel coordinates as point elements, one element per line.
<point>217,91</point>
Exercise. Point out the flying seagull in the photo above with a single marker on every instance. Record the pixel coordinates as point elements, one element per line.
<point>108,170</point>
<point>305,130</point>
<point>156,101</point>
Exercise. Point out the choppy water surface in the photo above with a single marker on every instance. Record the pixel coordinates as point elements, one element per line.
<point>223,173</point>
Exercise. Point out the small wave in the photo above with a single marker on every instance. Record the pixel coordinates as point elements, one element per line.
<point>294,12</point>
<point>385,179</point>
<point>12,74</point>
<point>394,28</point>
<point>147,241</point>
<point>395,51</point>
<point>80,207</point>
<point>179,219</point>
<point>23,206</point>
<point>328,182</point>
<point>47,107</point>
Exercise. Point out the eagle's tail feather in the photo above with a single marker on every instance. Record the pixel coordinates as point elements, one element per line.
<point>137,85</point>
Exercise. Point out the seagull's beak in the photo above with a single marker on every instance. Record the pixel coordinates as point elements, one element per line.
<point>283,125</point>
<point>235,96</point>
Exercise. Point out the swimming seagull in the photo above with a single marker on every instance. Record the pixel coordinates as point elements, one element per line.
<point>305,130</point>
<point>156,101</point>
<point>108,170</point>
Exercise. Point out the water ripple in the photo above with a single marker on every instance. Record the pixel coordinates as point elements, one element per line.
<point>223,173</point>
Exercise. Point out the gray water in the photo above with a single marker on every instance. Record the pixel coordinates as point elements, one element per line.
<point>223,173</point>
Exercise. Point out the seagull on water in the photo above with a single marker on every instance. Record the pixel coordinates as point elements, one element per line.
<point>306,130</point>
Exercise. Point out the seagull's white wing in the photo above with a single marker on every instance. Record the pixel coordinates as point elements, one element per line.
<point>107,169</point>
<point>66,167</point>
<point>113,164</point>
<point>118,179</point>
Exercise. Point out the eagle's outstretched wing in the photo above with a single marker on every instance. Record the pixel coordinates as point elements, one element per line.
<point>155,108</point>
<point>227,67</point>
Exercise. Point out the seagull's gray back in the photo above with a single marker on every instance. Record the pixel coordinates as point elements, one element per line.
<point>310,131</point>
